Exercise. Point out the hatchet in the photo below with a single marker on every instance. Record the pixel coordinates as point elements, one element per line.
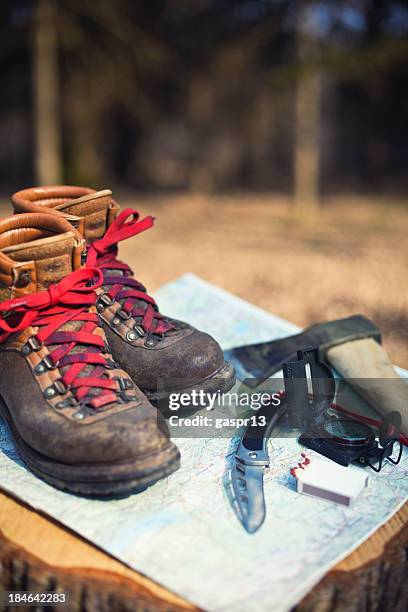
<point>352,346</point>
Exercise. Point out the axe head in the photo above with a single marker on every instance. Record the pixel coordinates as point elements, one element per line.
<point>257,362</point>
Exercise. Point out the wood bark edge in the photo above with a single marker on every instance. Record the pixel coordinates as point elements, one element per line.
<point>379,584</point>
<point>86,589</point>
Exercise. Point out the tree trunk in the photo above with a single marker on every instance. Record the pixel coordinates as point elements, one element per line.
<point>307,111</point>
<point>85,123</point>
<point>46,95</point>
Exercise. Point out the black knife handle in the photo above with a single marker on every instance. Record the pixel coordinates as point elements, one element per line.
<point>253,446</point>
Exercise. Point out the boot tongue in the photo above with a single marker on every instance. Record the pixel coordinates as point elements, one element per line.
<point>94,210</point>
<point>54,257</point>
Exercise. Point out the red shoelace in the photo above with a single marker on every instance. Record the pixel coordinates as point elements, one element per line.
<point>72,351</point>
<point>118,276</point>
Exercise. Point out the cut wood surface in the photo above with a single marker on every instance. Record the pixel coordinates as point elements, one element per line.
<point>37,553</point>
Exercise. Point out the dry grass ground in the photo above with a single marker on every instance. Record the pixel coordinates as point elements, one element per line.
<point>351,257</point>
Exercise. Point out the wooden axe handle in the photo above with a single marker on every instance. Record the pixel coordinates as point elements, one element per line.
<point>365,365</point>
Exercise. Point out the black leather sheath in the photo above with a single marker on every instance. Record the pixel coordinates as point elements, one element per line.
<point>260,361</point>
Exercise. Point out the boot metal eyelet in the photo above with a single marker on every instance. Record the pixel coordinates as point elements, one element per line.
<point>61,387</point>
<point>50,392</point>
<point>69,402</point>
<point>40,368</point>
<point>103,301</point>
<point>44,365</point>
<point>124,384</point>
<point>123,314</point>
<point>57,388</point>
<point>135,332</point>
<point>49,363</point>
<point>150,342</point>
<point>32,344</point>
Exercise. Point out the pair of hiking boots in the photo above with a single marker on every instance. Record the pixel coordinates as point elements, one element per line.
<point>84,350</point>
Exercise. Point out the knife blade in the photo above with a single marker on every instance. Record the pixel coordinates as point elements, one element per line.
<point>250,462</point>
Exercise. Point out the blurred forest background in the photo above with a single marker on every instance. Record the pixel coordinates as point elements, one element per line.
<point>270,136</point>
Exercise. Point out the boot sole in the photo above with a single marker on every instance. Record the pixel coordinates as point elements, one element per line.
<point>103,480</point>
<point>222,380</point>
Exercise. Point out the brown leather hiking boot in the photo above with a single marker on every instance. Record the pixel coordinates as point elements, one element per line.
<point>162,355</point>
<point>78,420</point>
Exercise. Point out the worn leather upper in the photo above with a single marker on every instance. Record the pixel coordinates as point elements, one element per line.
<point>48,248</point>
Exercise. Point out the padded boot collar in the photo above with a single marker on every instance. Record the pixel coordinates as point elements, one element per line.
<point>90,211</point>
<point>36,250</point>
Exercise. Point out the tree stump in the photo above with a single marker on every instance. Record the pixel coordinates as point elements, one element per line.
<point>38,554</point>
